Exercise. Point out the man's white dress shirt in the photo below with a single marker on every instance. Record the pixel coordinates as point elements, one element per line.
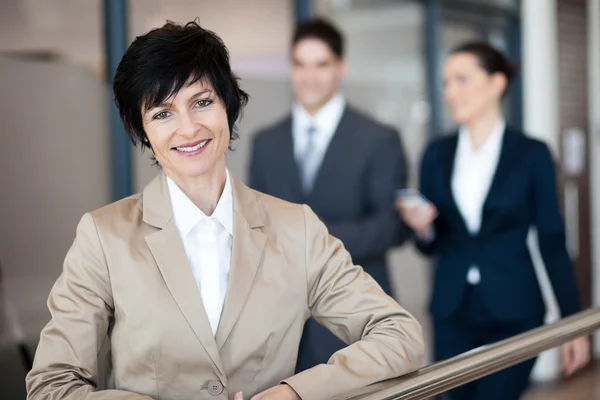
<point>324,124</point>
<point>207,242</point>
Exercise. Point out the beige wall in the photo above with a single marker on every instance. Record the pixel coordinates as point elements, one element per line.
<point>54,168</point>
<point>74,28</point>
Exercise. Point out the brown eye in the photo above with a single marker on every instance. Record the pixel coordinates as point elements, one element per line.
<point>203,103</point>
<point>161,115</point>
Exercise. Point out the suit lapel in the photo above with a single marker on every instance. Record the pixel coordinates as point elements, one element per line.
<point>288,163</point>
<point>168,251</point>
<point>248,246</point>
<point>335,152</point>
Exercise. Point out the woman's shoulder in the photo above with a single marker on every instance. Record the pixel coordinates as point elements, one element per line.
<point>440,144</point>
<point>275,210</point>
<point>532,146</point>
<point>119,213</point>
<point>443,140</point>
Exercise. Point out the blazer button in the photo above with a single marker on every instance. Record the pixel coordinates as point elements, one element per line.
<point>215,388</point>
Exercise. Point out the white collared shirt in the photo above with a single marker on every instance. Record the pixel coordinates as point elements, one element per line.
<point>474,171</point>
<point>207,242</point>
<point>325,122</point>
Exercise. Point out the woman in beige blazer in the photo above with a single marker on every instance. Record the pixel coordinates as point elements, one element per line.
<point>201,284</point>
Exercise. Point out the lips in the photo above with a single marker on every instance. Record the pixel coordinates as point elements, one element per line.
<point>193,148</point>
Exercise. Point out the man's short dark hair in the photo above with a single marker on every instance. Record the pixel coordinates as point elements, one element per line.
<point>158,64</point>
<point>321,29</point>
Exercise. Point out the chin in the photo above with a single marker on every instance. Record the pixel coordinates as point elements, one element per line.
<point>194,171</point>
<point>312,102</point>
<point>461,118</point>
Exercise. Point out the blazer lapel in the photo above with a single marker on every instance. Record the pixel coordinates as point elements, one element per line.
<point>448,156</point>
<point>248,246</point>
<point>335,151</point>
<point>505,164</point>
<point>447,160</point>
<point>168,251</point>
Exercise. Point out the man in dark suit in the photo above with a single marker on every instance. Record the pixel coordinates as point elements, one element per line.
<point>341,163</point>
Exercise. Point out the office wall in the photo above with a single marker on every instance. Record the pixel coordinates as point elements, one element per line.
<point>574,127</point>
<point>54,167</point>
<point>594,135</point>
<point>74,28</point>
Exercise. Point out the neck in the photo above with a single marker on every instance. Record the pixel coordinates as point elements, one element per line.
<point>481,128</point>
<point>205,190</point>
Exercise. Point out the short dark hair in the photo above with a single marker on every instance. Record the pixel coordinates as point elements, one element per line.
<point>158,64</point>
<point>489,58</point>
<point>321,29</point>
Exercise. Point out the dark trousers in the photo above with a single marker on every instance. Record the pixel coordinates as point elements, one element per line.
<point>473,327</point>
<point>318,344</point>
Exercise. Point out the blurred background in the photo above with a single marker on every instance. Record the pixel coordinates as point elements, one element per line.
<point>64,153</point>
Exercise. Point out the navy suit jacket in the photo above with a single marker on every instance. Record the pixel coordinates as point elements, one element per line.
<point>354,189</point>
<point>523,194</point>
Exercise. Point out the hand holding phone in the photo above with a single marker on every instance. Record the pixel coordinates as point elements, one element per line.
<point>416,211</point>
<point>411,198</point>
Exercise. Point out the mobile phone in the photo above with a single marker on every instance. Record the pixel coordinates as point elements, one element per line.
<point>412,197</point>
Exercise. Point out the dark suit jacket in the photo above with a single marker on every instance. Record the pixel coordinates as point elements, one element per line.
<point>354,189</point>
<point>523,193</point>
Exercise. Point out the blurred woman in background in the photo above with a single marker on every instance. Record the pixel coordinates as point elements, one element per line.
<point>485,186</point>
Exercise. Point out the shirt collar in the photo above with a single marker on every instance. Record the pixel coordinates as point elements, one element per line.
<point>326,119</point>
<point>493,141</point>
<point>187,215</point>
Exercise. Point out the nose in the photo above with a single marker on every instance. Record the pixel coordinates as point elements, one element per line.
<point>450,91</point>
<point>187,125</point>
<point>308,76</point>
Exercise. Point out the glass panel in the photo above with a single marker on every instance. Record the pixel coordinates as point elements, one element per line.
<point>386,70</point>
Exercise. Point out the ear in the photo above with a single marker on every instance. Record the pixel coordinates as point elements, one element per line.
<point>499,83</point>
<point>343,67</point>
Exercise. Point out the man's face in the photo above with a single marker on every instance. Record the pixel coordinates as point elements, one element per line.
<point>316,73</point>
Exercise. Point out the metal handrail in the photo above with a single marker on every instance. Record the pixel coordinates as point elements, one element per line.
<point>485,360</point>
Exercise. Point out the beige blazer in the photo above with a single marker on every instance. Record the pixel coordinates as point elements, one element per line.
<point>127,277</point>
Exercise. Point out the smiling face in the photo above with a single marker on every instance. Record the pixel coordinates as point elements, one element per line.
<point>188,132</point>
<point>316,73</point>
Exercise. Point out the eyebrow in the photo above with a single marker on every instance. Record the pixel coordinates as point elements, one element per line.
<point>200,93</point>
<point>168,104</point>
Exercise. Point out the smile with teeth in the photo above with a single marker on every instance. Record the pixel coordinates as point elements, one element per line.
<point>192,148</point>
